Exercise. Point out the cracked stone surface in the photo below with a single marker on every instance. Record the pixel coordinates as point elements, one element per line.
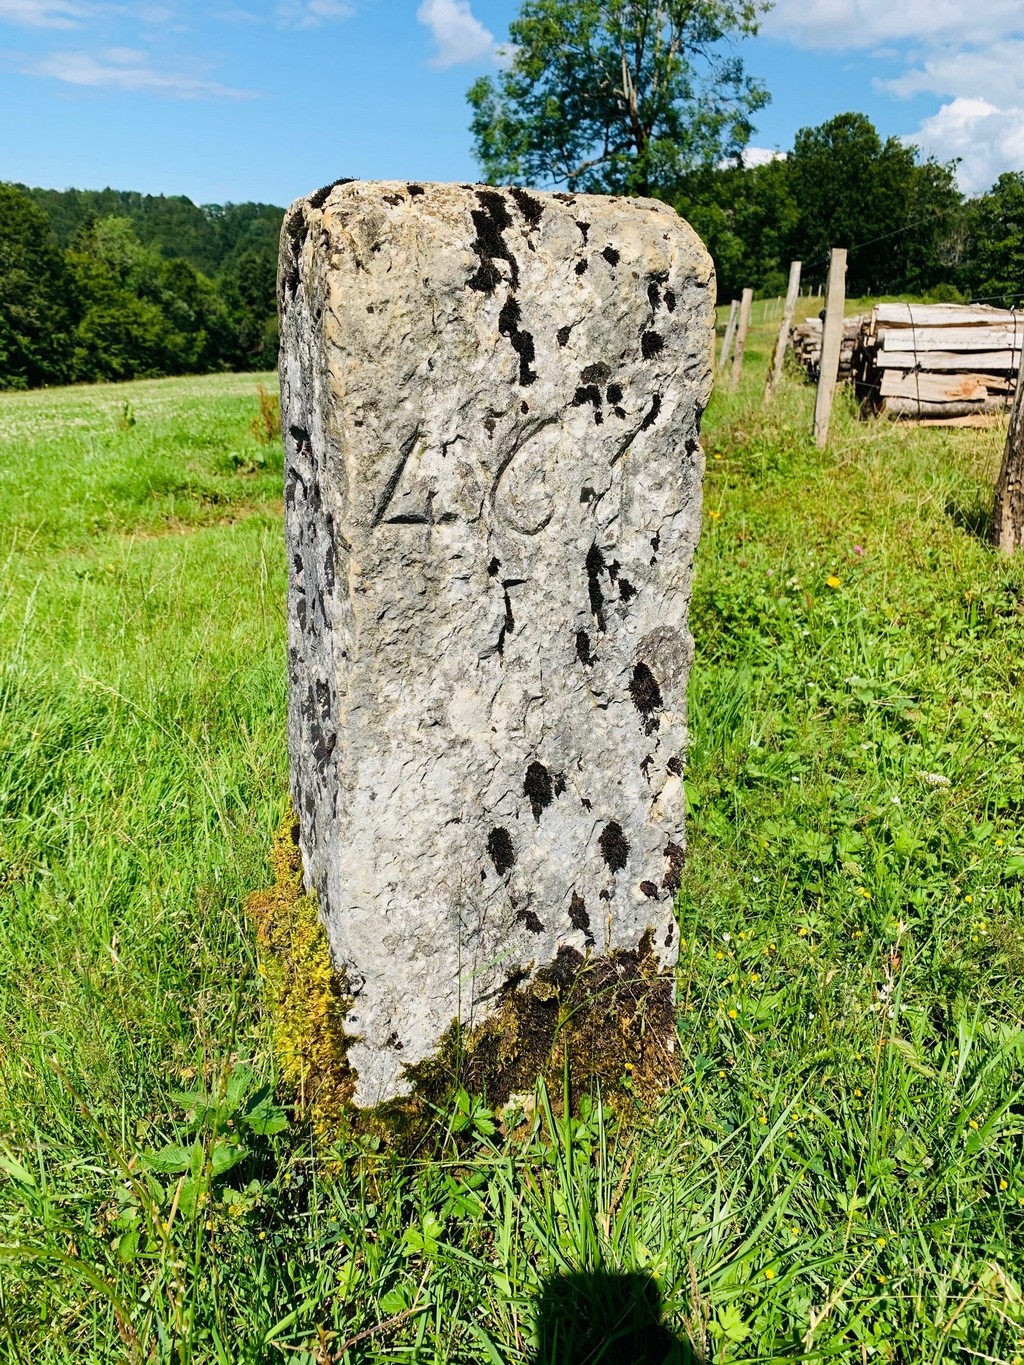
<point>491,403</point>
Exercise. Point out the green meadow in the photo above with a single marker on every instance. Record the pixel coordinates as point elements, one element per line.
<point>838,1172</point>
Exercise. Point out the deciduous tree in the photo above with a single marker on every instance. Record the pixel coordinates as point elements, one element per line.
<point>617,96</point>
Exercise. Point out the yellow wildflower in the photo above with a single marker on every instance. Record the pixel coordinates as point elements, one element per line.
<point>833,581</point>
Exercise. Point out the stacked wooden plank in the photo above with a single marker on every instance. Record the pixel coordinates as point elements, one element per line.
<point>938,362</point>
<point>805,340</point>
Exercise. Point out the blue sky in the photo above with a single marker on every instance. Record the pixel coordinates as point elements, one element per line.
<point>268,99</point>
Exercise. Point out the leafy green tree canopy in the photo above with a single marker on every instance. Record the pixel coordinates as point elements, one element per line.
<point>34,322</point>
<point>617,96</point>
<point>995,228</point>
<point>872,197</point>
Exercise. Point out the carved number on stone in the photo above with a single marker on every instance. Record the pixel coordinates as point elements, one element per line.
<point>391,488</point>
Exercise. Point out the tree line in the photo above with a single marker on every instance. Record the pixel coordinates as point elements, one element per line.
<point>649,97</point>
<point>112,285</point>
<point>598,96</point>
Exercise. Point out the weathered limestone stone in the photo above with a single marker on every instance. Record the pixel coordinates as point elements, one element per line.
<point>491,404</point>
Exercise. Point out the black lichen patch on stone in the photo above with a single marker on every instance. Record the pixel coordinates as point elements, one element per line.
<point>490,221</point>
<point>674,858</point>
<point>674,765</point>
<point>538,788</point>
<point>595,567</point>
<point>522,342</point>
<point>587,393</point>
<point>646,694</point>
<point>319,197</point>
<point>670,300</point>
<point>581,267</point>
<point>394,199</point>
<point>531,209</point>
<point>649,890</point>
<point>614,846</point>
<point>494,566</point>
<point>508,625</point>
<point>614,393</point>
<point>596,374</point>
<point>651,344</point>
<point>651,415</point>
<point>578,916</point>
<point>415,190</point>
<point>489,425</point>
<point>626,590</point>
<point>584,230</point>
<point>531,920</point>
<point>583,649</point>
<point>611,255</point>
<point>502,851</point>
<point>564,333</point>
<point>654,294</point>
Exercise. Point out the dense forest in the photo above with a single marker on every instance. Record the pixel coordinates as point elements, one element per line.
<point>108,284</point>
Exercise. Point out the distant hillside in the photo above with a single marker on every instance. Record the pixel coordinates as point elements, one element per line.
<point>210,237</point>
<point>112,284</point>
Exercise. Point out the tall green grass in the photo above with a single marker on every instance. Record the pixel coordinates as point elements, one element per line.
<point>839,1172</point>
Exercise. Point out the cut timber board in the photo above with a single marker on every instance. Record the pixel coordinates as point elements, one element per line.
<point>940,315</point>
<point>925,339</point>
<point>1008,360</point>
<point>936,388</point>
<point>910,407</point>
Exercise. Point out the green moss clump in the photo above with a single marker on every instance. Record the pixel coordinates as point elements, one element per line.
<point>605,1021</point>
<point>308,998</point>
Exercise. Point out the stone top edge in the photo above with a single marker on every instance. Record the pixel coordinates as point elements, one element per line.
<point>352,189</point>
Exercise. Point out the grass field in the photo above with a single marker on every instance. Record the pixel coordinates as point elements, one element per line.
<point>839,1172</point>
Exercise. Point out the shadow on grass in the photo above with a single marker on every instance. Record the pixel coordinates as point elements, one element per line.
<point>976,520</point>
<point>598,1318</point>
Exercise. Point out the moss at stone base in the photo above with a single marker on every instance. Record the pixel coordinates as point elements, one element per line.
<point>308,999</point>
<point>606,1021</point>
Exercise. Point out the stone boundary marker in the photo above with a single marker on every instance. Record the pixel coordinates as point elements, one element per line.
<point>491,403</point>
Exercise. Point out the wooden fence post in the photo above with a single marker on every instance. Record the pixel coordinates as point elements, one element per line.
<point>831,344</point>
<point>1008,512</point>
<point>741,335</point>
<point>730,332</point>
<point>792,293</point>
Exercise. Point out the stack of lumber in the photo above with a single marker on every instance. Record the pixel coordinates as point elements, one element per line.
<point>805,339</point>
<point>938,362</point>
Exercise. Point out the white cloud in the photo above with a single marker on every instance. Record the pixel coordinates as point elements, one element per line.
<point>867,24</point>
<point>760,156</point>
<point>313,13</point>
<point>991,73</point>
<point>122,68</point>
<point>42,13</point>
<point>989,140</point>
<point>968,55</point>
<point>459,35</point>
